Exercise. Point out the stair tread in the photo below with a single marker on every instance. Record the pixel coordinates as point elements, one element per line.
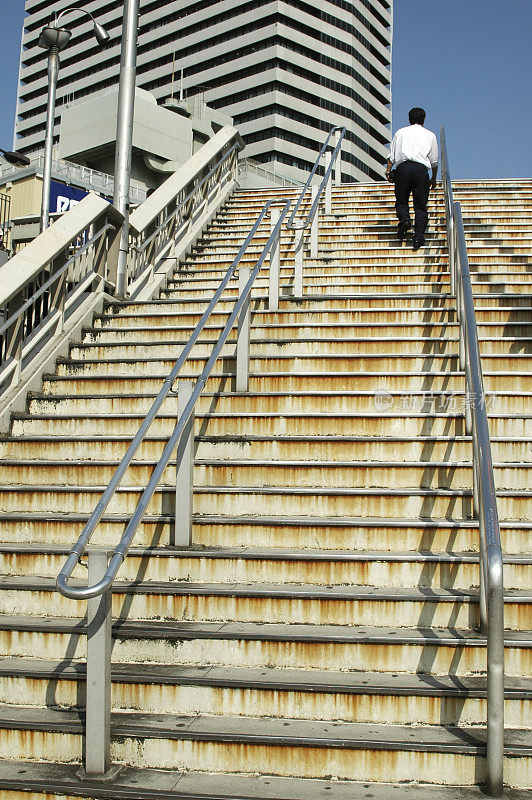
<point>267,631</point>
<point>276,553</point>
<point>281,437</point>
<point>354,522</point>
<point>273,731</point>
<point>274,679</point>
<point>292,590</point>
<point>157,784</point>
<point>290,490</point>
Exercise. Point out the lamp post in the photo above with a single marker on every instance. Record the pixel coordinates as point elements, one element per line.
<point>124,133</point>
<point>54,39</point>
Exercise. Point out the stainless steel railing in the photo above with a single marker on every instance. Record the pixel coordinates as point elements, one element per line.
<point>484,494</point>
<point>83,593</point>
<point>332,161</point>
<point>104,566</point>
<point>119,554</point>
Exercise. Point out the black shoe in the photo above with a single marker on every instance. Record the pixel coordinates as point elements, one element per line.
<point>417,243</point>
<point>402,229</point>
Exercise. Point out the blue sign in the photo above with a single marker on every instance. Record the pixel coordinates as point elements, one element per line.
<point>63,197</point>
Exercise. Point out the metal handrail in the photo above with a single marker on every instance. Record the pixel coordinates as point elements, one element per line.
<point>491,594</point>
<point>78,549</point>
<point>121,550</point>
<point>310,216</point>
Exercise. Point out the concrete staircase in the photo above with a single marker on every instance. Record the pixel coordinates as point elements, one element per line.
<point>320,638</point>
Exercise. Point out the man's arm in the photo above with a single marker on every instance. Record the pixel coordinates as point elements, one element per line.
<point>434,157</point>
<point>389,166</point>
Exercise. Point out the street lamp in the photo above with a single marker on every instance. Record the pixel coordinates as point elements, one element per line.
<point>17,159</point>
<point>54,38</point>
<point>124,133</point>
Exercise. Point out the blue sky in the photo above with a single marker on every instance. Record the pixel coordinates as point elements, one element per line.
<point>467,62</point>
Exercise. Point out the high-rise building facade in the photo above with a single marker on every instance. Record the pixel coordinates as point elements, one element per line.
<point>285,70</point>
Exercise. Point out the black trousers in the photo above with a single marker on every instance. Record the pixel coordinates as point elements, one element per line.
<point>412,178</point>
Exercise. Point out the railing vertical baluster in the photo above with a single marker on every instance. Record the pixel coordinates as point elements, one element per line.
<point>242,344</point>
<point>495,647</point>
<point>273,281</point>
<point>328,190</point>
<point>184,490</point>
<point>98,693</point>
<point>314,224</point>
<point>15,335</point>
<point>299,247</point>
<point>482,594</point>
<point>338,162</point>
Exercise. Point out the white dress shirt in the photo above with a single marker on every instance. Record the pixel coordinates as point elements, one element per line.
<point>414,143</point>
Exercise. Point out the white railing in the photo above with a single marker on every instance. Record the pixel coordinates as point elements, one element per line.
<point>267,171</point>
<point>49,279</point>
<point>98,181</point>
<point>166,223</point>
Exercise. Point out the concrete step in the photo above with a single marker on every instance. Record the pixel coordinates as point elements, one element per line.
<point>329,364</point>
<point>279,565</point>
<point>304,345</point>
<point>427,311</point>
<point>290,748</point>
<point>334,289</point>
<point>303,501</point>
<point>404,402</point>
<point>506,428</point>
<point>301,603</point>
<point>518,333</point>
<point>58,780</point>
<point>344,303</point>
<point>290,473</point>
<point>358,535</point>
<point>246,446</point>
<point>432,269</point>
<point>430,651</point>
<point>379,383</point>
<point>372,250</point>
<point>376,282</point>
<point>362,697</point>
<point>316,401</point>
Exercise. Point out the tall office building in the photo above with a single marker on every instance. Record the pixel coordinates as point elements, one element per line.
<point>285,70</point>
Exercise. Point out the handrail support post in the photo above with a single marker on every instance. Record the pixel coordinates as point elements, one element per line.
<point>328,190</point>
<point>314,225</point>
<point>184,471</point>
<point>338,162</point>
<point>273,282</point>
<point>299,246</point>
<point>98,691</point>
<point>242,343</point>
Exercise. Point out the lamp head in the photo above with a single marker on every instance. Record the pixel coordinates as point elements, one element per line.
<point>18,159</point>
<point>54,37</point>
<point>100,33</point>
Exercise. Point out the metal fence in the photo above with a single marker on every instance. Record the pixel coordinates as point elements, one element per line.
<point>5,217</point>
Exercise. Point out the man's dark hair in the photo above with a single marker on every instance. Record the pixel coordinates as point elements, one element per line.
<point>416,116</point>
